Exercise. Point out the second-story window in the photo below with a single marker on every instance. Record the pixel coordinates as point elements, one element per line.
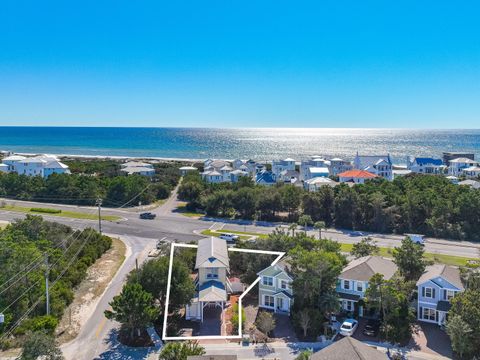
<point>268,281</point>
<point>346,284</point>
<point>359,286</point>
<point>284,285</point>
<point>428,292</point>
<point>212,273</point>
<point>449,294</point>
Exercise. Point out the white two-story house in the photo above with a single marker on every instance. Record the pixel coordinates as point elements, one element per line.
<point>380,165</point>
<point>425,165</point>
<point>456,166</point>
<point>436,287</point>
<point>281,165</point>
<point>353,281</point>
<point>275,288</point>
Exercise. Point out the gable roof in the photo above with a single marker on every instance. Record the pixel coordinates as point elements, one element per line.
<point>363,161</point>
<point>212,252</point>
<point>265,177</point>
<point>280,267</point>
<point>362,269</point>
<point>349,348</point>
<point>212,291</point>
<point>449,273</point>
<point>359,174</point>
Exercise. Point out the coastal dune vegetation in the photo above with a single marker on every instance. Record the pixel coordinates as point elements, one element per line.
<point>424,204</point>
<point>29,249</point>
<point>90,180</point>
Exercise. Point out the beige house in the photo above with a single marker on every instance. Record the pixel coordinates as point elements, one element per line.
<point>212,284</point>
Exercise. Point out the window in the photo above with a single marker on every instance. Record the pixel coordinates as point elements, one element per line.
<point>212,273</point>
<point>284,284</point>
<point>428,292</point>
<point>360,286</point>
<point>448,294</point>
<point>269,301</point>
<point>346,284</point>
<point>268,281</point>
<point>348,304</point>
<point>429,314</point>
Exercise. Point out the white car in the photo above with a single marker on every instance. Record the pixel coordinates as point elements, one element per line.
<point>229,237</point>
<point>348,327</point>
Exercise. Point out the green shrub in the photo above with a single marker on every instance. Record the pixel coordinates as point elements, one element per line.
<point>46,210</point>
<point>235,317</point>
<point>45,322</point>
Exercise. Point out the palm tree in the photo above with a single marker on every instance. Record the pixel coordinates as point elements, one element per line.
<point>319,225</point>
<point>305,220</point>
<point>292,228</point>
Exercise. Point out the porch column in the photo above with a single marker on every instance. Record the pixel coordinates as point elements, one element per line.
<point>201,310</point>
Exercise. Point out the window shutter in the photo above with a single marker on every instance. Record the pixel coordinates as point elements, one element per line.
<point>420,316</point>
<point>444,294</point>
<point>433,293</point>
<point>423,291</point>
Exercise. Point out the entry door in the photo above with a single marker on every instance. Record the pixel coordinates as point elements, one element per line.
<point>280,303</point>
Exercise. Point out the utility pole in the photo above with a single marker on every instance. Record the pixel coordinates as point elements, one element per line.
<point>99,204</point>
<point>47,290</point>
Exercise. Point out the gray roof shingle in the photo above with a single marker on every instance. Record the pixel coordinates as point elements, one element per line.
<point>364,268</point>
<point>212,253</point>
<point>449,273</point>
<point>349,348</point>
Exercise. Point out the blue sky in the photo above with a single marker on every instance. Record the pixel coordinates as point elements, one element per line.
<point>240,63</point>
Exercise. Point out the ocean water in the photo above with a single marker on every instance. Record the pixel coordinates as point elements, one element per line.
<point>259,144</point>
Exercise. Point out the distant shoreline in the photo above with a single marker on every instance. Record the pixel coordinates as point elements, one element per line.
<point>113,157</point>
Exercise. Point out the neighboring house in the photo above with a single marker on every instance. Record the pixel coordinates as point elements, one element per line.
<point>275,288</point>
<point>280,165</point>
<point>457,165</point>
<point>338,166</point>
<point>137,168</point>
<point>235,175</point>
<point>315,171</point>
<point>349,348</point>
<point>471,172</point>
<point>11,161</point>
<point>212,284</point>
<point>472,183</point>
<point>184,170</point>
<point>305,165</point>
<point>3,168</point>
<point>380,165</point>
<point>266,178</point>
<point>249,166</point>
<point>448,156</point>
<point>436,287</point>
<point>41,165</point>
<point>225,171</point>
<point>289,176</point>
<point>356,176</point>
<point>215,164</point>
<point>425,165</point>
<point>212,176</point>
<point>353,281</point>
<point>315,183</point>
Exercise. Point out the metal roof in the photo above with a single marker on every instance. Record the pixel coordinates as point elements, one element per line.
<point>212,252</point>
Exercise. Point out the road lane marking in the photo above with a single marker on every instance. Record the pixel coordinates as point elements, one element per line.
<point>100,327</point>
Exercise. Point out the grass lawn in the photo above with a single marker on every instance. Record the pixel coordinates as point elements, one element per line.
<point>182,209</point>
<point>383,251</point>
<point>218,233</point>
<point>67,214</point>
<point>438,258</point>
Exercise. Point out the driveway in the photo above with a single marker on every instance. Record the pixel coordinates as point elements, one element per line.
<point>284,329</point>
<point>429,338</point>
<point>212,321</point>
